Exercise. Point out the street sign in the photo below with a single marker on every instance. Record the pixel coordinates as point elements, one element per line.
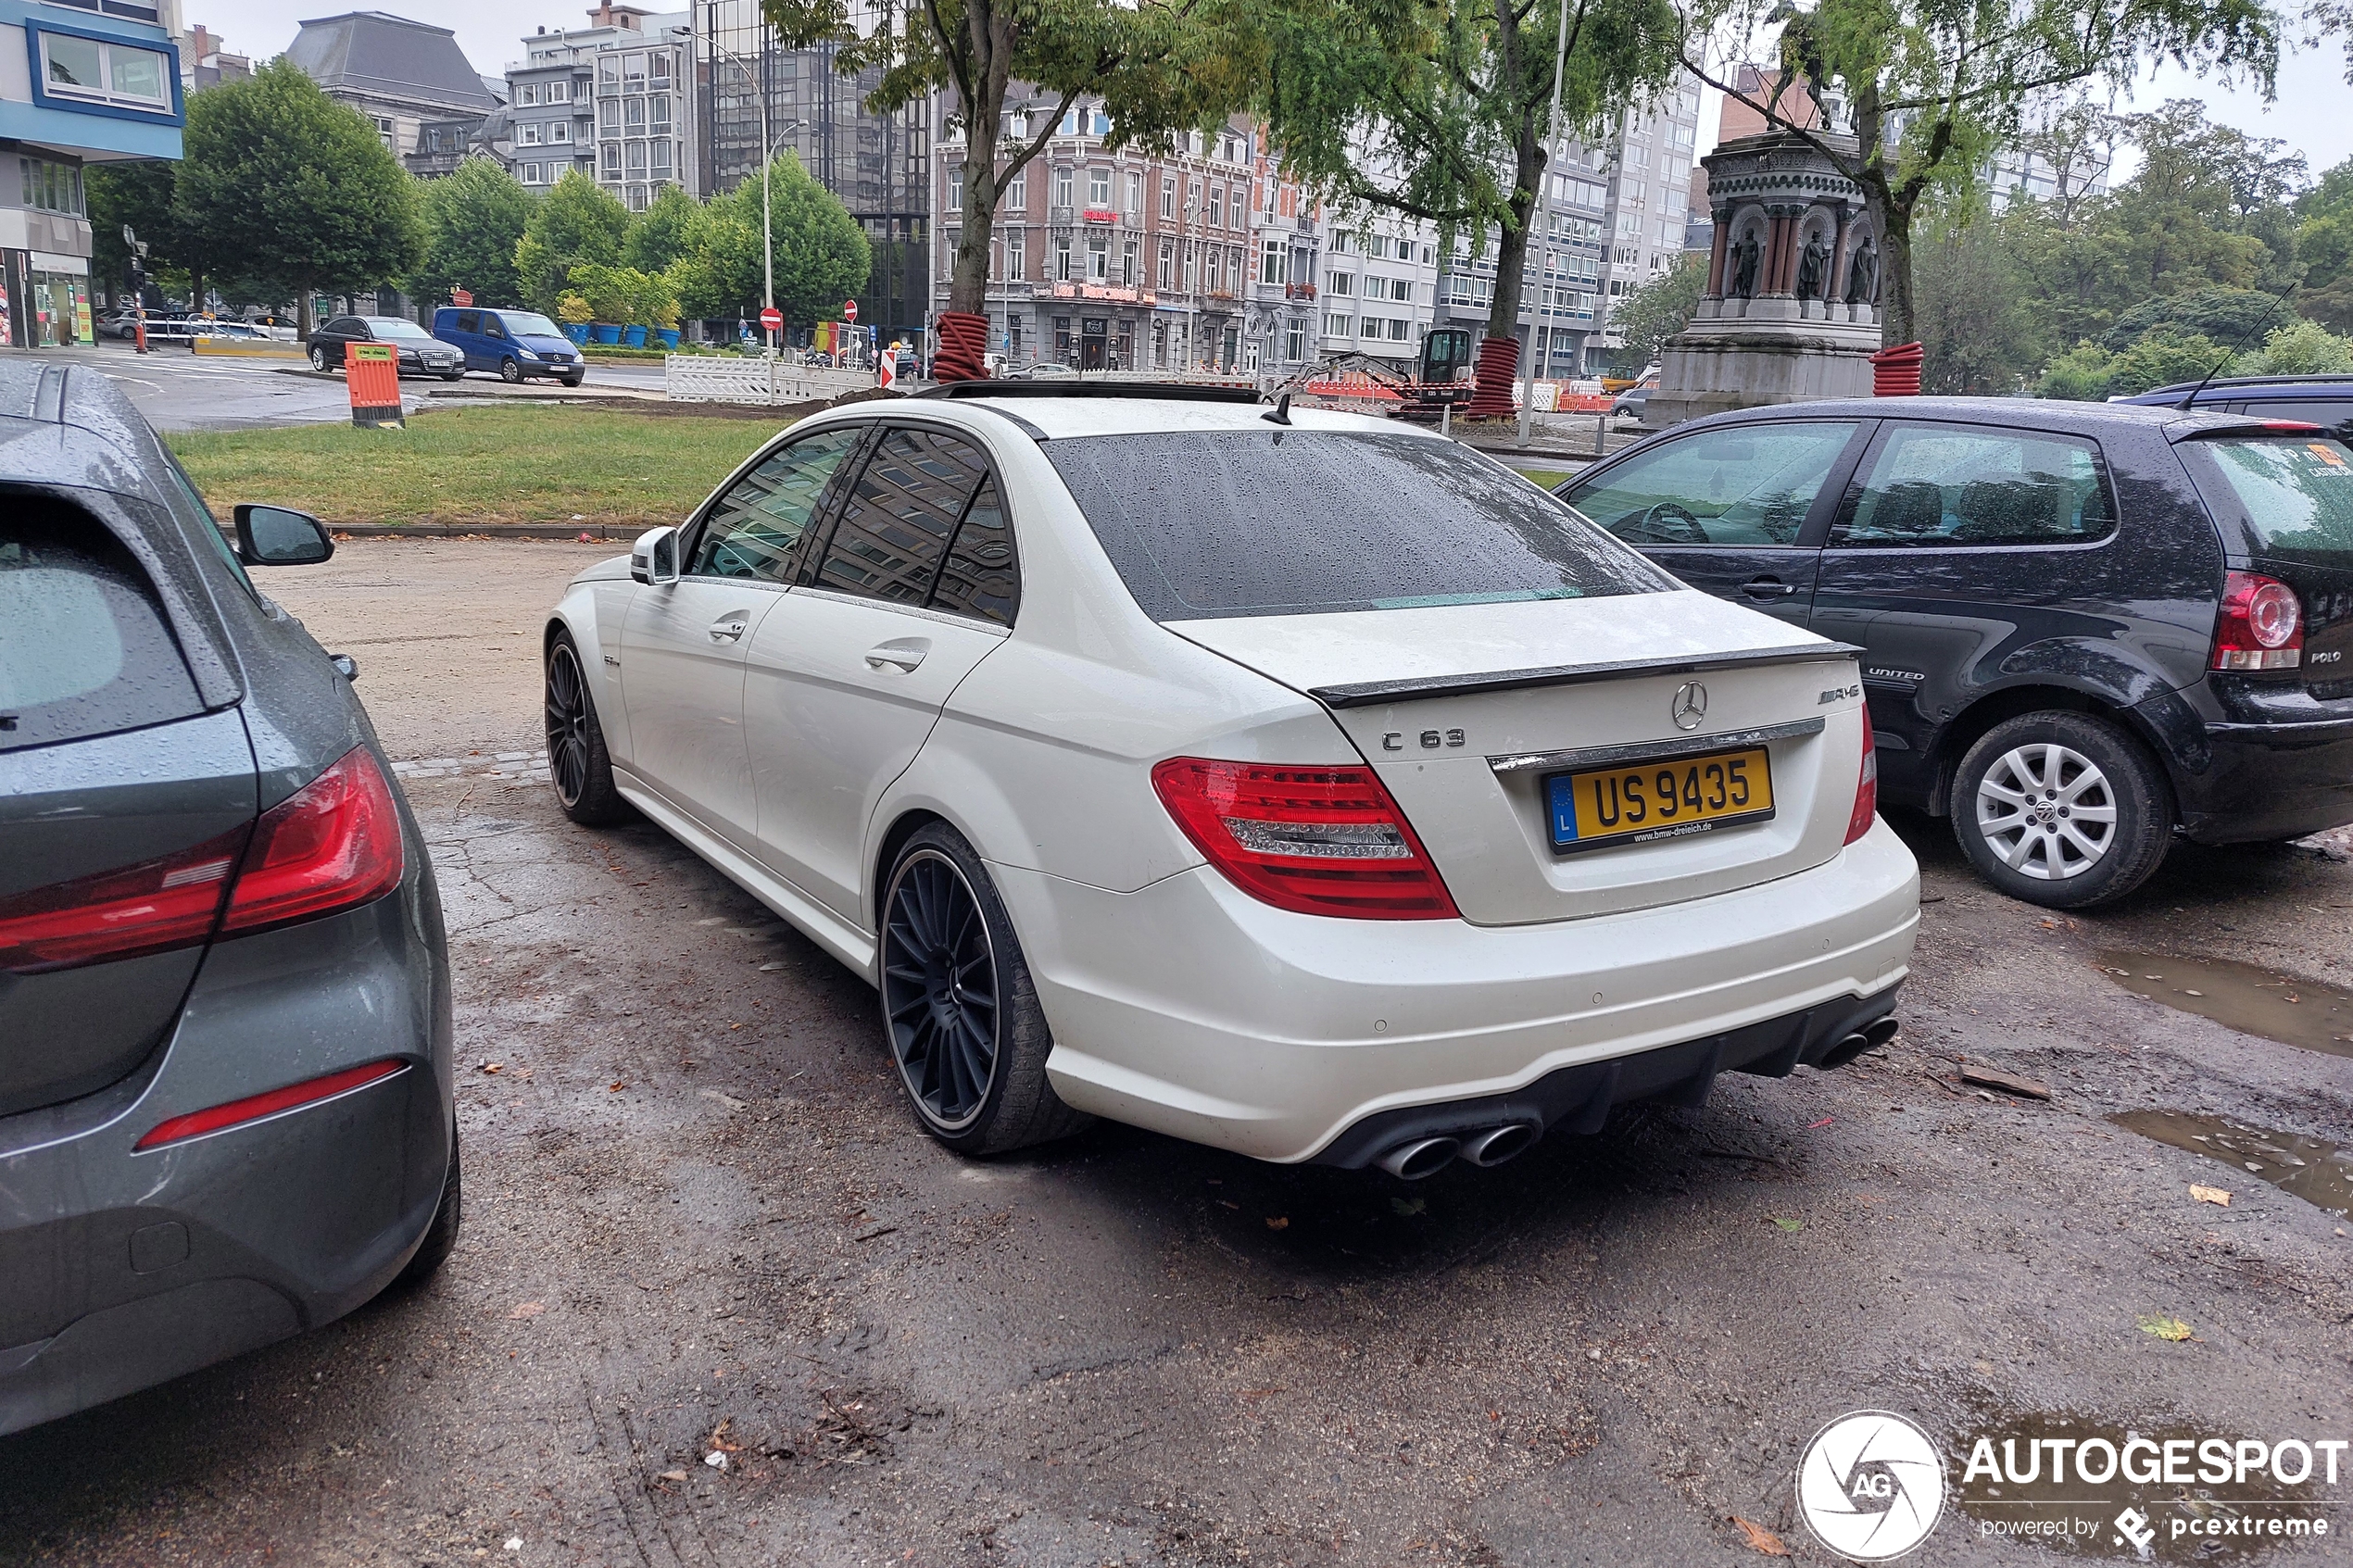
<point>460,298</point>
<point>886,369</point>
<point>772,319</point>
<point>850,310</point>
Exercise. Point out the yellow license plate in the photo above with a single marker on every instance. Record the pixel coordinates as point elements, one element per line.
<point>1639,802</point>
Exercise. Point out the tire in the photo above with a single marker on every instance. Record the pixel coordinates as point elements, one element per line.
<point>2031,800</point>
<point>511,372</point>
<point>578,766</point>
<point>453,375</point>
<point>574,381</point>
<point>974,1067</point>
<point>319,358</point>
<point>441,1236</point>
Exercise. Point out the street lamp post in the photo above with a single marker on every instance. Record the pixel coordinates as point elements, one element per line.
<point>767,157</point>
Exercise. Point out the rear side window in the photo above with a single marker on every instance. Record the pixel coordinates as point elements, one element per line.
<point>978,579</point>
<point>2334,415</point>
<point>468,321</point>
<point>1749,484</point>
<point>1942,485</point>
<point>895,527</point>
<point>84,649</point>
<point>1208,524</point>
<point>2295,497</point>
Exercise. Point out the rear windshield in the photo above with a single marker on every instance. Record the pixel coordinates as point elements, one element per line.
<point>83,647</point>
<point>2295,497</point>
<point>1204,525</point>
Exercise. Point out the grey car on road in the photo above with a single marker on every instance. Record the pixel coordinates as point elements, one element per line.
<point>225,1076</point>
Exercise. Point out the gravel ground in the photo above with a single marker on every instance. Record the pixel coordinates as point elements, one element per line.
<point>700,1223</point>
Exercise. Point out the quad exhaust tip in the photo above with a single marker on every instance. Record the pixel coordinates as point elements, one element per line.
<point>1499,1144</point>
<point>1416,1157</point>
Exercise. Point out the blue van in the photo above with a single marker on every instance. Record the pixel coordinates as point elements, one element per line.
<point>514,343</point>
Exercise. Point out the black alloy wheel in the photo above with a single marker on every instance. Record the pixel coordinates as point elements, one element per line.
<point>959,1009</point>
<point>939,990</point>
<point>578,763</point>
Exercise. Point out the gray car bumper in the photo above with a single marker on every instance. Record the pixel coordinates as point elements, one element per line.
<point>121,1270</point>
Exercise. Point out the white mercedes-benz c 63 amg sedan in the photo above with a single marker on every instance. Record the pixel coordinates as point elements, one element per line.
<point>1297,783</point>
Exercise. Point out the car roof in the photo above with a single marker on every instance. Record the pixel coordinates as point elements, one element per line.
<point>2330,386</point>
<point>1065,418</point>
<point>2044,413</point>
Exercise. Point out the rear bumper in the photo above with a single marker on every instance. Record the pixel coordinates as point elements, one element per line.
<point>2269,781</point>
<point>121,1270</point>
<point>1192,1009</point>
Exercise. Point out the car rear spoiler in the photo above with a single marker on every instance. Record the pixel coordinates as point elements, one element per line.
<point>1365,693</point>
<point>2255,427</point>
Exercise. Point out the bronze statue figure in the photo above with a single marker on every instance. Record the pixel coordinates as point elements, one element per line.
<point>1862,275</point>
<point>1813,266</point>
<point>1746,257</point>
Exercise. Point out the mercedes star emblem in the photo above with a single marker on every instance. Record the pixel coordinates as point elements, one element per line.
<point>1690,705</point>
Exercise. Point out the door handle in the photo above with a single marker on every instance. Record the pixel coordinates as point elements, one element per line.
<point>729,629</point>
<point>1767,589</point>
<point>905,655</point>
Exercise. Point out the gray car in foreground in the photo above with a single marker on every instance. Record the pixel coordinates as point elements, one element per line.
<point>225,1079</point>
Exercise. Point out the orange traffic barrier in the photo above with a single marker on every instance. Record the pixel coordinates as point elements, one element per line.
<point>373,371</point>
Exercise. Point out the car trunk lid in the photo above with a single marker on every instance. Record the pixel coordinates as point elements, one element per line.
<point>1469,734</point>
<point>2287,495</point>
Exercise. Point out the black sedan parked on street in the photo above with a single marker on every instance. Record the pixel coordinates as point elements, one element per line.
<point>226,1078</point>
<point>421,354</point>
<point>2086,626</point>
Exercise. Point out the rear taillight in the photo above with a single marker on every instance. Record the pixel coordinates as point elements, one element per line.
<point>2261,626</point>
<point>1858,820</point>
<point>1319,841</point>
<point>149,908</point>
<point>332,844</point>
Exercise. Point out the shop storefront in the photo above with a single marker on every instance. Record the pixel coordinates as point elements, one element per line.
<point>47,300</point>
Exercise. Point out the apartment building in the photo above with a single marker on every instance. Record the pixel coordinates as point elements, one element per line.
<point>402,76</point>
<point>1280,326</point>
<point>1380,284</point>
<point>1612,217</point>
<point>613,100</point>
<point>89,86</point>
<point>1122,260</point>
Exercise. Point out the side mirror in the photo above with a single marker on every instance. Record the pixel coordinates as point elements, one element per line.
<point>654,557</point>
<point>281,536</point>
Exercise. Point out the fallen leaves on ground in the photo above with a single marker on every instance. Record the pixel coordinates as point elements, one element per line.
<point>2163,1327</point>
<point>2217,1196</point>
<point>527,1309</point>
<point>1788,1224</point>
<point>1761,1538</point>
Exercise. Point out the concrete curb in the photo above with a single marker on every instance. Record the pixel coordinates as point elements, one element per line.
<point>600,533</point>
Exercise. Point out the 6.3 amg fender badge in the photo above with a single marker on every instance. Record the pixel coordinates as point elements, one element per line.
<point>1690,705</point>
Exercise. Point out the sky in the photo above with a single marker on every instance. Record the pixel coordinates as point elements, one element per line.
<point>2309,113</point>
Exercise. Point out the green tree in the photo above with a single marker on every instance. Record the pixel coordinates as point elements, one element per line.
<point>1441,109</point>
<point>576,221</point>
<point>822,256</point>
<point>1658,310</point>
<point>1978,335</point>
<point>2300,349</point>
<point>474,218</point>
<point>2166,357</point>
<point>2081,375</point>
<point>2324,247</point>
<point>663,232</point>
<point>1160,67</point>
<point>1932,86</point>
<point>2226,314</point>
<point>138,195</point>
<point>281,185</point>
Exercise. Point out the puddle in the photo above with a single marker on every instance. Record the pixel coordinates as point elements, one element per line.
<point>2255,1001</point>
<point>2321,1173</point>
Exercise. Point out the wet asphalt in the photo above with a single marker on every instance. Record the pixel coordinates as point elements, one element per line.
<point>700,1223</point>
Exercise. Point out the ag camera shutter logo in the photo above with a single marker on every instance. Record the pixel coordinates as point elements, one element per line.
<point>1871,1486</point>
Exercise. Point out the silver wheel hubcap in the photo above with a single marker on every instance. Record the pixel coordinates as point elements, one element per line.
<point>2046,811</point>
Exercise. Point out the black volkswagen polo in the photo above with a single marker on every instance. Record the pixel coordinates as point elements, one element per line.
<point>2087,627</point>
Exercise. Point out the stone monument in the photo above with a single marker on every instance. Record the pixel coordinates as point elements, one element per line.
<point>1793,282</point>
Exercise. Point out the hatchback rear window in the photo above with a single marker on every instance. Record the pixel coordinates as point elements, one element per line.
<point>84,649</point>
<point>1209,524</point>
<point>2295,496</point>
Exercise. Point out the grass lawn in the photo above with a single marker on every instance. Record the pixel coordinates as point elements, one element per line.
<point>1543,478</point>
<point>479,465</point>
